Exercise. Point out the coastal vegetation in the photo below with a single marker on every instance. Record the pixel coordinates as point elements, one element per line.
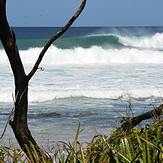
<point>141,145</point>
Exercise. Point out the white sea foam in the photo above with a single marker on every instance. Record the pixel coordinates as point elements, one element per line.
<point>154,41</point>
<point>101,94</point>
<point>46,95</point>
<point>88,56</point>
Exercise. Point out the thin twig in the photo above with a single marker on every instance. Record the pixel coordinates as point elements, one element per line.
<point>9,118</point>
<point>12,111</point>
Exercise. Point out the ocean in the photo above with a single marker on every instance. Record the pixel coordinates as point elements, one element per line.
<point>91,75</point>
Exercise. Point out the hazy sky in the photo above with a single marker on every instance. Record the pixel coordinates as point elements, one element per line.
<point>96,13</point>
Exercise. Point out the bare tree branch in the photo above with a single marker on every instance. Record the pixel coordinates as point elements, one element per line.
<point>156,112</point>
<point>134,121</point>
<point>55,37</point>
<point>19,123</point>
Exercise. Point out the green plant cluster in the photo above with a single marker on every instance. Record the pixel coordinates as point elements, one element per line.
<point>138,145</point>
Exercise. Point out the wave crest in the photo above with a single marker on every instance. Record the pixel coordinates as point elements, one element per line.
<point>148,42</point>
<point>89,56</point>
<point>152,42</point>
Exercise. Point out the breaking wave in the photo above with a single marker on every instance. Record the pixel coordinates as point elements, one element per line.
<point>88,56</point>
<point>148,42</point>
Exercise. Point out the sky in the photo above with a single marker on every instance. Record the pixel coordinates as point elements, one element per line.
<point>97,12</point>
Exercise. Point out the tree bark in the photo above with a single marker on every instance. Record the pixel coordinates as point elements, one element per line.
<point>19,123</point>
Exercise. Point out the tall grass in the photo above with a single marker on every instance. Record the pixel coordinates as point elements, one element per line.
<point>138,145</point>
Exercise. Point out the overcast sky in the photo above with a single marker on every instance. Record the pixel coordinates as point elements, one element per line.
<point>96,13</point>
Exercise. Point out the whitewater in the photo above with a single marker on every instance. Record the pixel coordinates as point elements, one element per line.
<point>90,75</point>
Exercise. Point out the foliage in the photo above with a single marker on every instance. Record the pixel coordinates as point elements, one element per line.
<point>139,145</point>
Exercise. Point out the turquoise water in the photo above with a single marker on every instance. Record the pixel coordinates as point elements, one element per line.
<point>89,76</point>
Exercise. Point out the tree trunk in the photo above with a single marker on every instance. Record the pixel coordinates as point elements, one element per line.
<point>19,123</point>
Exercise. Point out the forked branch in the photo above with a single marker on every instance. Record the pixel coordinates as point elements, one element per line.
<point>20,123</point>
<point>55,37</point>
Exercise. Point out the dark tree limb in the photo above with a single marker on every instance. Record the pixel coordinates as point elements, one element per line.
<point>19,123</point>
<point>55,37</point>
<point>134,121</point>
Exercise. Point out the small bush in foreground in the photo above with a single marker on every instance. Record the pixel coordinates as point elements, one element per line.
<point>144,145</point>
